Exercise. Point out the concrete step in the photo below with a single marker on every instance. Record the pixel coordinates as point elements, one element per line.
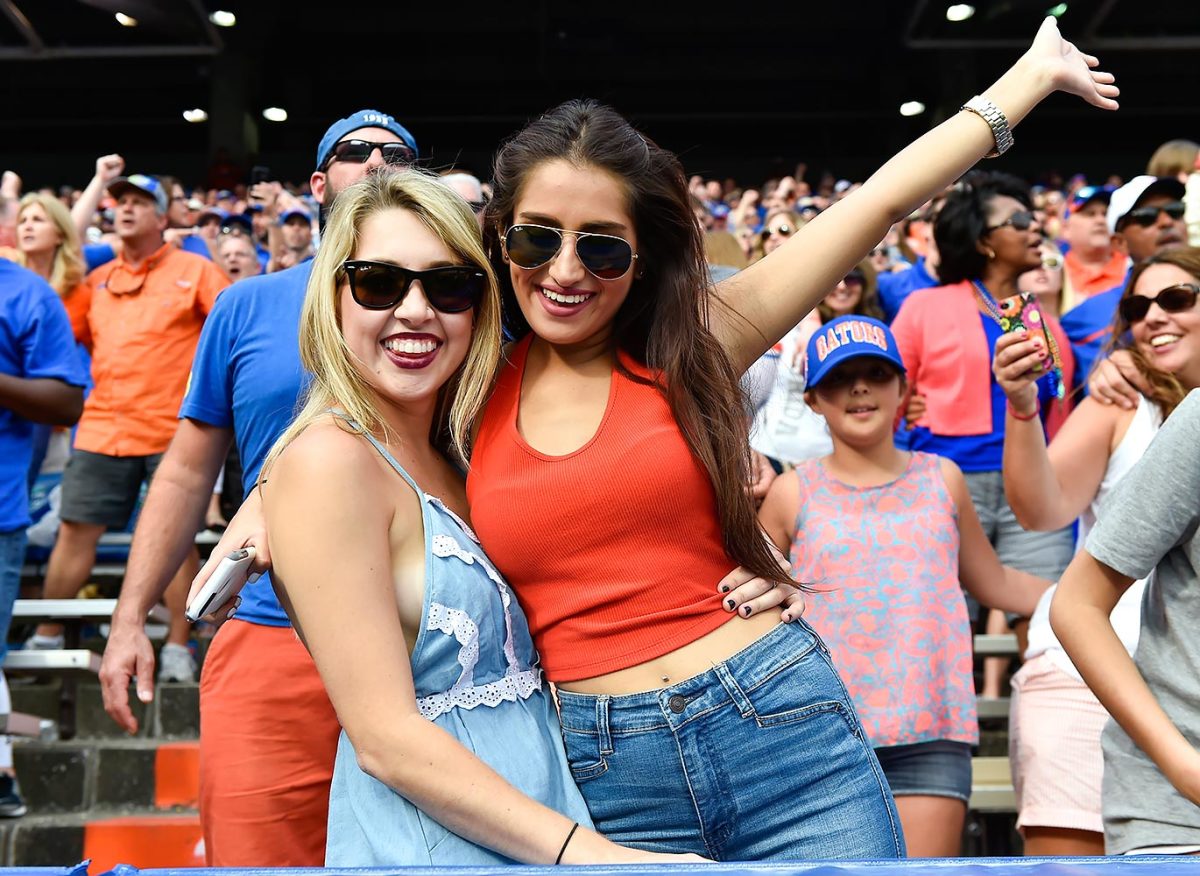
<point>154,840</point>
<point>173,714</point>
<point>108,777</point>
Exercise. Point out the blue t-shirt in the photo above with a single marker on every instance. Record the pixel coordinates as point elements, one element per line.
<point>895,287</point>
<point>97,254</point>
<point>974,453</point>
<point>35,342</point>
<point>196,244</point>
<point>1088,326</point>
<point>247,376</point>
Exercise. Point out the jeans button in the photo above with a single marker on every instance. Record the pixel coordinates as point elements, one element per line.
<point>677,704</point>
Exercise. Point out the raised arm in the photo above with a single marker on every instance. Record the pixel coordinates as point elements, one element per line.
<point>770,297</point>
<point>1048,487</point>
<point>979,568</point>
<point>108,168</point>
<point>330,517</point>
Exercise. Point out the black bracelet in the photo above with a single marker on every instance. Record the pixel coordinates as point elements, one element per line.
<point>566,842</point>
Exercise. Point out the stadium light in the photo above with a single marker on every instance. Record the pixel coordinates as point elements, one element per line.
<point>275,114</point>
<point>126,20</point>
<point>912,108</point>
<point>195,115</point>
<point>959,12</point>
<point>221,18</point>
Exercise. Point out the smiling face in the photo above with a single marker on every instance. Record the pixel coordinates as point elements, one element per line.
<point>408,352</point>
<point>561,300</point>
<point>1169,341</point>
<point>859,400</point>
<point>847,294</point>
<point>36,234</point>
<point>1017,250</point>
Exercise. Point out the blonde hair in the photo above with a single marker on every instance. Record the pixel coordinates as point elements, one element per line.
<point>1173,158</point>
<point>66,271</point>
<point>336,381</point>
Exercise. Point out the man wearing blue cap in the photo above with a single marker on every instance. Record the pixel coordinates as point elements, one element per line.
<point>268,735</point>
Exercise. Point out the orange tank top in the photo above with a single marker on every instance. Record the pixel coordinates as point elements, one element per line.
<point>615,550</point>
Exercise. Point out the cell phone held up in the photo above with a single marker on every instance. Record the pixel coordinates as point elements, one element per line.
<point>1023,312</point>
<point>226,581</point>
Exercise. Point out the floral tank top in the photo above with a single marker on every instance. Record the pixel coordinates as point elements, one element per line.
<point>883,562</point>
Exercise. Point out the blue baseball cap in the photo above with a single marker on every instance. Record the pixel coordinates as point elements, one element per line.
<point>147,185</point>
<point>845,338</point>
<point>362,119</point>
<point>295,211</point>
<point>242,219</point>
<point>1087,194</point>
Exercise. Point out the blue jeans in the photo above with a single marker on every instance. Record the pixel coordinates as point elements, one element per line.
<point>760,758</point>
<point>12,555</point>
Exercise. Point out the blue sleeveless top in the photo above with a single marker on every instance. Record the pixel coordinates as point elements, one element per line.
<point>477,677</point>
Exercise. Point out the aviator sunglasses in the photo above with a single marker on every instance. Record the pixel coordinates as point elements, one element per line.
<point>605,256</point>
<point>1147,216</point>
<point>359,151</point>
<point>1173,299</point>
<point>382,286</point>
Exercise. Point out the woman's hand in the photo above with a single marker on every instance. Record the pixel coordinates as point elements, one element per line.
<point>1117,380</point>
<point>1017,366</point>
<point>746,595</point>
<point>248,528</point>
<point>1070,70</point>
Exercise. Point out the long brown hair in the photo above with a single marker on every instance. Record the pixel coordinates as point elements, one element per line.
<point>1165,389</point>
<point>663,323</point>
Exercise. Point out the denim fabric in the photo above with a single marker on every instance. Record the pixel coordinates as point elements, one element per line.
<point>12,554</point>
<point>760,758</point>
<point>937,768</point>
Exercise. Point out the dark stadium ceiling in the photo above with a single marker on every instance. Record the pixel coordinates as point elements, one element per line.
<point>722,83</point>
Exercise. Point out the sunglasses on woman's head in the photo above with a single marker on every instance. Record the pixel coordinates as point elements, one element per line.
<point>605,256</point>
<point>359,152</point>
<point>784,230</point>
<point>1173,299</point>
<point>382,286</point>
<point>1022,220</point>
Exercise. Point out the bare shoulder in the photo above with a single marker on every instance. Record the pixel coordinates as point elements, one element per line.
<point>327,460</point>
<point>956,483</point>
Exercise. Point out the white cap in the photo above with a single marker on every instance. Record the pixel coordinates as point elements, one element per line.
<point>1127,196</point>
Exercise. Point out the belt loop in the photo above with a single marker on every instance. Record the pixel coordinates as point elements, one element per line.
<point>602,731</point>
<point>744,706</point>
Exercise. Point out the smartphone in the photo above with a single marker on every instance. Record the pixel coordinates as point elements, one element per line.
<point>226,581</point>
<point>259,174</point>
<point>1021,311</point>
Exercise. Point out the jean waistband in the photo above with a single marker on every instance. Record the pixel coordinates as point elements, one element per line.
<point>679,703</point>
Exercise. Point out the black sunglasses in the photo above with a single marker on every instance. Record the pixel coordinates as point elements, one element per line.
<point>1147,216</point>
<point>382,286</point>
<point>1173,299</point>
<point>1022,220</point>
<point>359,151</point>
<point>605,256</point>
<point>784,230</point>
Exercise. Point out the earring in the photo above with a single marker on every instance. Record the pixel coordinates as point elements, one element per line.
<point>991,254</point>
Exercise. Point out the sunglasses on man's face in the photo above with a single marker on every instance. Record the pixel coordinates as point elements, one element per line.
<point>1173,299</point>
<point>359,152</point>
<point>1147,216</point>
<point>605,256</point>
<point>1022,220</point>
<point>382,286</point>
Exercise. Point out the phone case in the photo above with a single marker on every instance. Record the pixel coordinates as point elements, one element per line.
<point>1022,311</point>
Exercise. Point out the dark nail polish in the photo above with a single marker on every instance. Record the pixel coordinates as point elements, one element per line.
<point>724,588</point>
<point>732,605</point>
<point>746,611</point>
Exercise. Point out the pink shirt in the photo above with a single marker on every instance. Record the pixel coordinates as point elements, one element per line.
<point>884,563</point>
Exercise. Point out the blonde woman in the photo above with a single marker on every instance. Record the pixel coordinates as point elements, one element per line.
<point>48,245</point>
<point>450,752</point>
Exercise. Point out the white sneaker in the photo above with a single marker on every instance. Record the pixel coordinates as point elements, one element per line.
<point>45,643</point>
<point>175,663</point>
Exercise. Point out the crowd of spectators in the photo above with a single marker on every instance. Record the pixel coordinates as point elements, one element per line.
<point>137,262</point>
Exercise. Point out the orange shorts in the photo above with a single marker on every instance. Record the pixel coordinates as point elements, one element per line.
<point>268,739</point>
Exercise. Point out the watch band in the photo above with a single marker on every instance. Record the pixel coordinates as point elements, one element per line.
<point>995,119</point>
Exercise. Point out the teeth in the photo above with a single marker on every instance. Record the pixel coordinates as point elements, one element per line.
<point>1163,340</point>
<point>565,299</point>
<point>411,347</point>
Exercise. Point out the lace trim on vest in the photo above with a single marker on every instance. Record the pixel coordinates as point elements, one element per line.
<point>434,500</point>
<point>510,688</point>
<point>457,623</point>
<point>445,546</point>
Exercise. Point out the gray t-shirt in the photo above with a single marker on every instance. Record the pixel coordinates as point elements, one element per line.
<point>1150,523</point>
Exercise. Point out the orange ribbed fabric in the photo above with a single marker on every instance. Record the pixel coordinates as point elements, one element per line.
<point>614,550</point>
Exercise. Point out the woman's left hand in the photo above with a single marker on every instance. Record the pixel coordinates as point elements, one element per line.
<point>1070,70</point>
<point>746,595</point>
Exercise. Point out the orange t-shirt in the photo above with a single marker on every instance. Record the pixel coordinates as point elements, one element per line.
<point>1086,281</point>
<point>615,550</point>
<point>143,324</point>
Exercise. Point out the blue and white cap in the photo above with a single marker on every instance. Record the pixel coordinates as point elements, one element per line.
<point>367,118</point>
<point>845,338</point>
<point>147,185</point>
